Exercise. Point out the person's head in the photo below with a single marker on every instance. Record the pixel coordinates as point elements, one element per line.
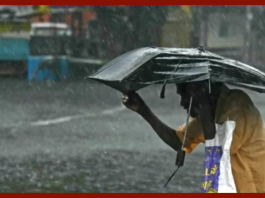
<point>203,102</point>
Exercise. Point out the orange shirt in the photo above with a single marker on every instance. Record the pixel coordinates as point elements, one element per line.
<point>248,145</point>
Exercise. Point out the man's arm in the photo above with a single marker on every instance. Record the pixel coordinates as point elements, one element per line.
<point>134,102</point>
<point>167,134</point>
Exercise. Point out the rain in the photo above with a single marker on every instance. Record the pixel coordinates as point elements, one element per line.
<point>63,132</point>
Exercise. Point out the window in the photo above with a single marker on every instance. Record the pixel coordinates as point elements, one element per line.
<point>224,28</point>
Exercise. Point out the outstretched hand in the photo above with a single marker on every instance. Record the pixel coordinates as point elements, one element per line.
<point>134,102</point>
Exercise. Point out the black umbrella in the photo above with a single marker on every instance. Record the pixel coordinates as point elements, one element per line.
<point>145,66</point>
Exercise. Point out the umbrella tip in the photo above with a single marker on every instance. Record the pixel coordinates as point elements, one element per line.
<point>201,48</point>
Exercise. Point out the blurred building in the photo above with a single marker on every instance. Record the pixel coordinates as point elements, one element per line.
<point>16,10</point>
<point>77,19</point>
<point>14,39</point>
<point>226,34</point>
<point>177,30</point>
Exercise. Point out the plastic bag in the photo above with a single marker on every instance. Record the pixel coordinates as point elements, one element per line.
<point>218,177</point>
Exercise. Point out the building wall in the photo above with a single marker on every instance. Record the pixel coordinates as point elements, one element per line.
<point>225,31</point>
<point>176,32</point>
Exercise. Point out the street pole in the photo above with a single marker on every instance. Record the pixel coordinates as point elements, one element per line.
<point>203,15</point>
<point>248,36</point>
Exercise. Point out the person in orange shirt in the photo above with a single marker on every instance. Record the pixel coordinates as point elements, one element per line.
<point>222,104</point>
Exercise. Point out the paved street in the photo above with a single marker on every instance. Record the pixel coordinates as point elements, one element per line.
<point>77,137</point>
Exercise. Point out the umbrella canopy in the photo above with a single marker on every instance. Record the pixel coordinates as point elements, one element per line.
<point>145,66</point>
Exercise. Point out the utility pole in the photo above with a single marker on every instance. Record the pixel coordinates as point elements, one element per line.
<point>203,16</point>
<point>248,35</point>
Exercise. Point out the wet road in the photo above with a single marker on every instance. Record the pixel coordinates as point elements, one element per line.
<point>77,137</point>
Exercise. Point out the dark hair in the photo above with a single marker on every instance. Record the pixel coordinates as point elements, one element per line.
<point>216,88</point>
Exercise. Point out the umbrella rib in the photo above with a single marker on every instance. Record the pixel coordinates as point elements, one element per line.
<point>162,94</point>
<point>248,68</point>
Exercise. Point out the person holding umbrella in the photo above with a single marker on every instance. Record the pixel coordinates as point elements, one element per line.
<point>200,76</point>
<point>222,104</point>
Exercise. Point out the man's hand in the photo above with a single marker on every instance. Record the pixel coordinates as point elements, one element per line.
<point>134,102</point>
